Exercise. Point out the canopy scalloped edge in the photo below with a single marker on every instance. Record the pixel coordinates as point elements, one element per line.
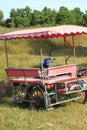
<point>45,32</point>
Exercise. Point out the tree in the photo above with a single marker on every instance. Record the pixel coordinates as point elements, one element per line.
<point>27,16</point>
<point>37,18</point>
<point>64,16</point>
<point>1,18</point>
<point>85,19</point>
<point>78,16</point>
<point>20,17</point>
<point>8,23</point>
<point>11,21</point>
<point>49,16</point>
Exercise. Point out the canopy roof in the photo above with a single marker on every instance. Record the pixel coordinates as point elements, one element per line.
<point>45,32</point>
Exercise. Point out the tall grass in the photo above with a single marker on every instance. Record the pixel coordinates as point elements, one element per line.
<point>69,116</point>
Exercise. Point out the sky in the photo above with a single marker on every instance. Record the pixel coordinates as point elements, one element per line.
<point>7,5</point>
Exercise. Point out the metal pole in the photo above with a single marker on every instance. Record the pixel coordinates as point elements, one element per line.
<point>41,59</point>
<point>74,49</point>
<point>6,54</point>
<point>65,50</point>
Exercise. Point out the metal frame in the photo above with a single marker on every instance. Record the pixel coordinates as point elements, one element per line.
<point>72,48</point>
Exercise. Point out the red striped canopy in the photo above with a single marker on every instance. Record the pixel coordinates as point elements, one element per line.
<point>45,32</point>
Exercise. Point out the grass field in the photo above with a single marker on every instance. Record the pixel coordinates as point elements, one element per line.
<point>69,116</point>
<point>26,53</point>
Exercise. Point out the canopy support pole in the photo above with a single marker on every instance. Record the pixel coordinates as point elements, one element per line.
<point>72,52</point>
<point>41,59</point>
<point>74,49</point>
<point>65,50</point>
<point>6,54</point>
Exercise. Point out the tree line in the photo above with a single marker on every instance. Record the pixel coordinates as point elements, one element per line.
<point>25,17</point>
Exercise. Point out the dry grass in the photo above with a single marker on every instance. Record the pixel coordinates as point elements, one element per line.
<point>69,116</point>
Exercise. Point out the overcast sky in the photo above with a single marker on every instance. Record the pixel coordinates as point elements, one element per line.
<point>7,5</point>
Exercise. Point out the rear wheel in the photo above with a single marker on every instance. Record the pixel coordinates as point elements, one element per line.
<point>35,95</point>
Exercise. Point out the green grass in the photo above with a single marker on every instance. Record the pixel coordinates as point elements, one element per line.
<point>69,116</point>
<point>26,54</point>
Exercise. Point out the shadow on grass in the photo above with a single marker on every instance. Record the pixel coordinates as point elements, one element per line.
<point>56,46</point>
<point>6,101</point>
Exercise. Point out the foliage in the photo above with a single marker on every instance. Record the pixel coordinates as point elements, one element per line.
<point>37,18</point>
<point>1,18</point>
<point>20,17</point>
<point>26,17</point>
<point>49,16</point>
<point>78,16</point>
<point>64,16</point>
<point>85,18</point>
